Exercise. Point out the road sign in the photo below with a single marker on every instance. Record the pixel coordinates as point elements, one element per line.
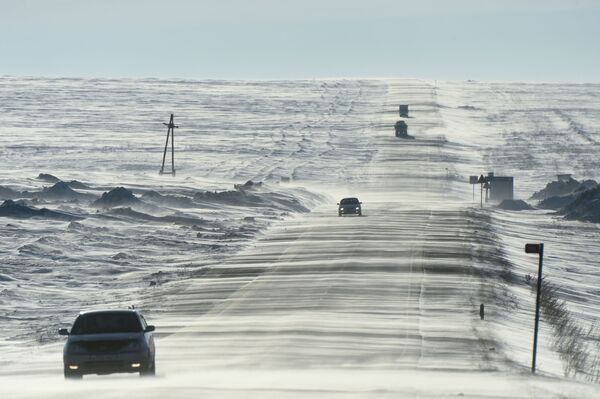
<point>532,248</point>
<point>473,180</point>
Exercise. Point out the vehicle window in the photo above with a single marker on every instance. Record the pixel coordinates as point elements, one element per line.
<point>144,323</point>
<point>101,323</point>
<point>347,201</point>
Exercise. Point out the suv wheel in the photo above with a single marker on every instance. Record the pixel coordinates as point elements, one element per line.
<point>150,371</point>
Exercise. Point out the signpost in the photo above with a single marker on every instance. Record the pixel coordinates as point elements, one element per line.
<point>536,249</point>
<point>473,181</point>
<point>481,181</point>
<point>487,186</point>
<point>497,188</point>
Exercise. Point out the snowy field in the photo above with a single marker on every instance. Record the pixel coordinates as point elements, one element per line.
<point>259,289</point>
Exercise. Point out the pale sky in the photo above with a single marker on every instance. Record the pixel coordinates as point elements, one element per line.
<point>522,40</point>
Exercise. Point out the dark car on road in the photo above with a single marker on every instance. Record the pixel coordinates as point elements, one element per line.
<point>109,341</point>
<point>349,206</point>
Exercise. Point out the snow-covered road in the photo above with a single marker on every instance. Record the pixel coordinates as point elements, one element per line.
<point>384,305</point>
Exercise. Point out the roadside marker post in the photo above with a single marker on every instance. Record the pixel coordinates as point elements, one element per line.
<point>536,249</point>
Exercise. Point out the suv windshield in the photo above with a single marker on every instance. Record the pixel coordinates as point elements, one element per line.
<point>106,322</point>
<point>347,201</point>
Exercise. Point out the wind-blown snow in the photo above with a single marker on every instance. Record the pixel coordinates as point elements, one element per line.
<point>261,289</point>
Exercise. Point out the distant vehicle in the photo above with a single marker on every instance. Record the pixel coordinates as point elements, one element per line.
<point>401,129</point>
<point>349,206</point>
<point>109,341</point>
<point>403,108</point>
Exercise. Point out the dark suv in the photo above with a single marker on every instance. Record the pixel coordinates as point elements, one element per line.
<point>109,341</point>
<point>349,206</point>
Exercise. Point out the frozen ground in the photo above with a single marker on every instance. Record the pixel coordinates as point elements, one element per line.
<point>254,296</point>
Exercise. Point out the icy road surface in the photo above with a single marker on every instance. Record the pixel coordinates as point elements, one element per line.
<point>302,304</point>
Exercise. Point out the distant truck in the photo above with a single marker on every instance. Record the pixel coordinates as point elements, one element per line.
<point>403,110</point>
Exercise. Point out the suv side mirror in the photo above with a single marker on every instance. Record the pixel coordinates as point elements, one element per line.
<point>149,329</point>
<point>360,202</point>
<point>63,331</point>
<point>338,203</point>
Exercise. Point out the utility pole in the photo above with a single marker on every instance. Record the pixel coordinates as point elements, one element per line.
<point>536,249</point>
<point>170,133</point>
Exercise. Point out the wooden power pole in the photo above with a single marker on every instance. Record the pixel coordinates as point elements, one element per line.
<point>170,133</point>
